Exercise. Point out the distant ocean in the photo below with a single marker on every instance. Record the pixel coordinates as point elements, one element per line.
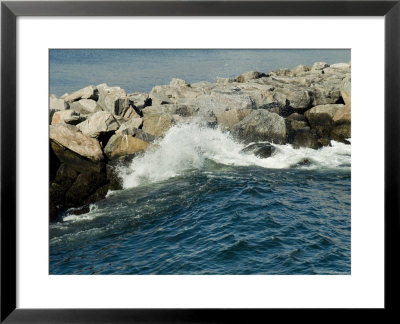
<point>140,70</point>
<point>197,204</point>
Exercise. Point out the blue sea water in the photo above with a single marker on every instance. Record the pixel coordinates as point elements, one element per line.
<point>140,70</point>
<point>196,204</point>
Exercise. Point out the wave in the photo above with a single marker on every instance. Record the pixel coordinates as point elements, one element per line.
<point>189,147</point>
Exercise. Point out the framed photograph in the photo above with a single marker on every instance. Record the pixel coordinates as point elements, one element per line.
<point>198,160</point>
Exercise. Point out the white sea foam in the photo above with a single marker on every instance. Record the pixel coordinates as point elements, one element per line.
<point>188,146</point>
<point>70,217</point>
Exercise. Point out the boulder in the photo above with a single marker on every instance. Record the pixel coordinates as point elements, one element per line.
<point>324,94</point>
<point>245,77</point>
<point>342,125</point>
<point>89,92</point>
<point>85,184</point>
<point>219,101</point>
<point>319,66</point>
<point>345,90</point>
<point>57,103</point>
<point>157,124</point>
<point>174,109</point>
<point>178,83</point>
<point>66,175</point>
<point>68,137</point>
<point>321,118</point>
<point>130,127</point>
<point>261,125</point>
<point>121,145</point>
<point>303,137</point>
<point>224,80</point>
<point>66,116</point>
<point>300,69</point>
<point>85,106</point>
<point>344,66</point>
<point>140,99</point>
<point>149,138</point>
<point>227,119</point>
<point>281,72</point>
<point>261,150</point>
<point>294,98</point>
<point>130,113</point>
<point>98,123</point>
<point>112,99</point>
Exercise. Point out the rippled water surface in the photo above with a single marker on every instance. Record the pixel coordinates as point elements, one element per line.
<point>140,70</point>
<point>197,209</point>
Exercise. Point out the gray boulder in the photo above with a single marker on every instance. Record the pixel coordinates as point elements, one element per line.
<point>157,124</point>
<point>300,69</point>
<point>66,116</point>
<point>227,119</point>
<point>68,137</point>
<point>319,66</point>
<point>130,127</point>
<point>245,77</point>
<point>89,92</point>
<point>85,106</point>
<point>261,125</point>
<point>112,99</point>
<point>98,123</point>
<point>57,103</point>
<point>321,118</point>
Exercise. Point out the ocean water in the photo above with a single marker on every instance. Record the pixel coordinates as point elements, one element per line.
<point>198,205</point>
<point>141,70</point>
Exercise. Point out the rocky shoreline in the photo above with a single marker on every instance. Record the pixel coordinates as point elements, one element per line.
<point>95,129</point>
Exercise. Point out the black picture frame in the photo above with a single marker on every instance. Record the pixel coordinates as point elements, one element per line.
<point>10,10</point>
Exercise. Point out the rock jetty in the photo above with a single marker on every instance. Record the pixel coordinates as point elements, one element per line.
<point>95,128</point>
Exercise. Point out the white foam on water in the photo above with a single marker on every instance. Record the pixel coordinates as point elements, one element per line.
<point>78,218</point>
<point>188,146</point>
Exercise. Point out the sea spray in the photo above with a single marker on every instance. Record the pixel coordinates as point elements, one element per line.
<point>188,146</point>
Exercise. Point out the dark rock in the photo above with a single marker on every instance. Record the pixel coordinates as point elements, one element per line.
<point>115,182</point>
<point>85,184</point>
<point>74,160</point>
<point>66,175</point>
<point>262,150</point>
<point>80,211</point>
<point>98,195</point>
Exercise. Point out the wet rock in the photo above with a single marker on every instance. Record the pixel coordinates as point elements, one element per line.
<point>261,150</point>
<point>85,184</point>
<point>81,211</point>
